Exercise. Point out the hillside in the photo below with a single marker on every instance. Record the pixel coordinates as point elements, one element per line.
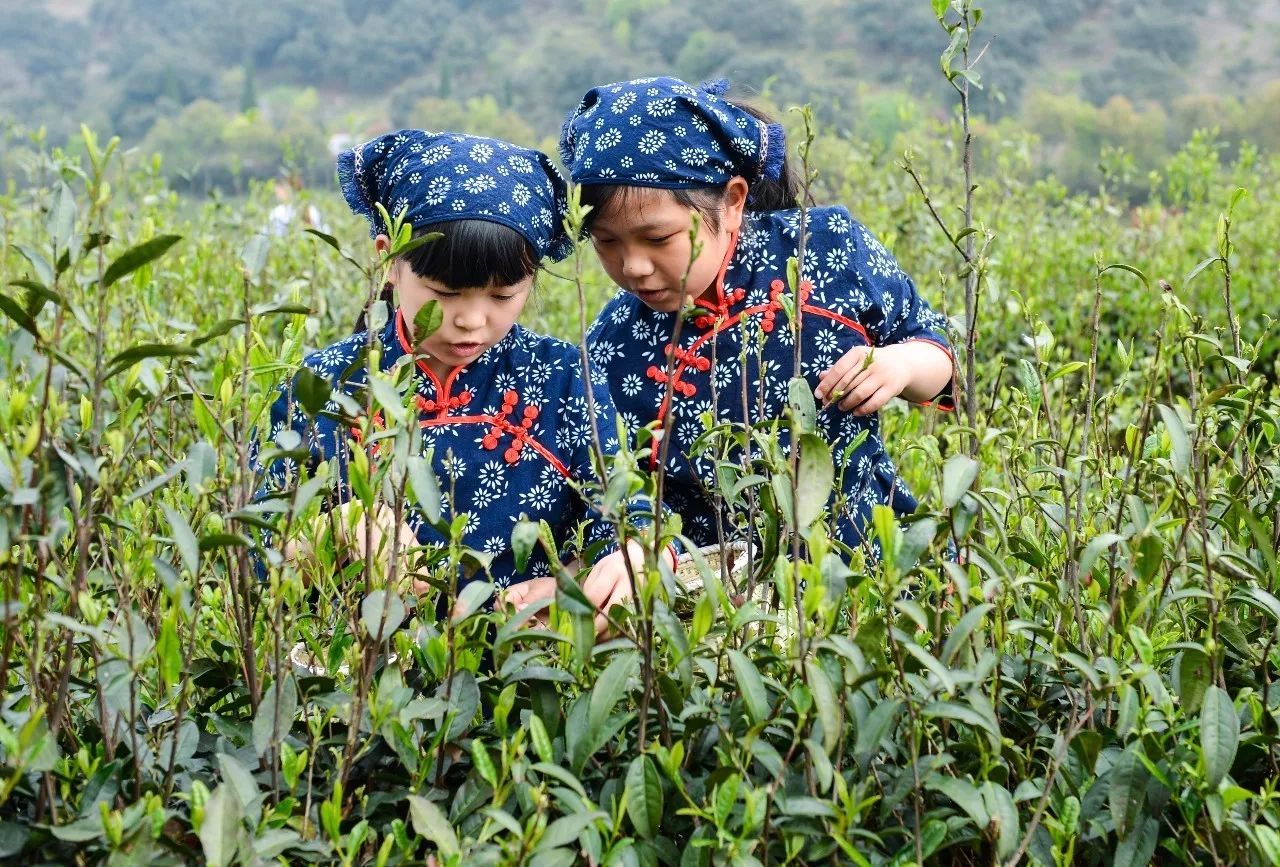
<point>174,75</point>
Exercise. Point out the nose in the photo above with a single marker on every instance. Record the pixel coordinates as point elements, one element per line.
<point>467,315</point>
<point>636,265</point>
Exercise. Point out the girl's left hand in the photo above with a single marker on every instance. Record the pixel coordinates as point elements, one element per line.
<point>863,380</point>
<point>608,585</point>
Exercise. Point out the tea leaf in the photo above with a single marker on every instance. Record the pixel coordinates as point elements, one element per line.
<point>1219,734</point>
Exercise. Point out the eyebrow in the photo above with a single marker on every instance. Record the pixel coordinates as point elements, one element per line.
<point>642,227</point>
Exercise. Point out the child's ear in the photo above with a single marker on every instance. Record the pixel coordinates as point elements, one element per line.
<point>735,202</point>
<point>382,244</point>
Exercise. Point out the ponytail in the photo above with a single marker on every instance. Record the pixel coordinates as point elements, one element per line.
<point>767,193</point>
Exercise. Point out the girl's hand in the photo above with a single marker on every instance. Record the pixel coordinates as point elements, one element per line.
<point>608,585</point>
<point>864,380</point>
<point>521,596</point>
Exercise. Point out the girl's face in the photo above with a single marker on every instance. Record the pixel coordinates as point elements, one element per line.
<point>643,243</point>
<point>475,318</point>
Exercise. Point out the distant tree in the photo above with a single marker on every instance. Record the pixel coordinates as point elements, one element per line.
<point>248,95</point>
<point>1136,74</point>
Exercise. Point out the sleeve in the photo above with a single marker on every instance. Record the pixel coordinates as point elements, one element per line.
<point>890,308</point>
<point>297,443</point>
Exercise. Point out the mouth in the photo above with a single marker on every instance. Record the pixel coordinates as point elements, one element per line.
<point>465,350</point>
<point>649,295</point>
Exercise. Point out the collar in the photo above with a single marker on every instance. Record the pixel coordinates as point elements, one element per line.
<point>720,305</point>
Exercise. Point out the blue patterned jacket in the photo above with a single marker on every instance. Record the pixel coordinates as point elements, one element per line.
<point>854,294</point>
<point>509,433</point>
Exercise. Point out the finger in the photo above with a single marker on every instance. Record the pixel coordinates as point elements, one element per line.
<point>855,376</point>
<point>874,403</point>
<point>599,585</point>
<point>857,396</point>
<point>603,626</point>
<point>846,364</point>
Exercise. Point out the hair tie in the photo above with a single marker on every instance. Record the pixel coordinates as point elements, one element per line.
<point>351,179</point>
<point>773,151</point>
<point>715,86</point>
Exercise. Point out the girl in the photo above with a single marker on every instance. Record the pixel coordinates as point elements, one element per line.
<point>502,410</point>
<point>651,153</point>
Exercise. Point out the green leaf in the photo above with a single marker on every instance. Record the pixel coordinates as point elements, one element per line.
<point>123,360</point>
<point>169,651</point>
<point>220,830</point>
<point>966,796</point>
<point>62,217</point>
<point>135,257</point>
<point>1138,848</point>
<point>1096,546</point>
<point>815,477</point>
<point>1004,815</point>
<point>14,311</point>
<point>800,400</point>
<point>425,487</point>
<point>42,268</point>
<point>963,629</point>
<point>523,539</point>
<point>877,726</point>
<point>311,390</point>
<point>220,328</point>
<point>483,763</point>
<point>183,539</point>
<point>541,741</point>
<point>1191,678</point>
<point>1067,369</point>
<point>1195,272</point>
<point>427,320</point>
<point>253,256</point>
<point>240,783</point>
<point>958,475</point>
<point>750,685</point>
<point>1126,794</point>
<point>431,823</point>
<point>275,714</point>
<point>1178,437</point>
<point>381,612</point>
<point>644,797</point>
<point>966,714</point>
<point>567,829</point>
<point>333,242</point>
<point>1267,842</point>
<point>611,687</point>
<point>1219,734</point>
<point>1121,266</point>
<point>824,698</point>
<point>471,598</point>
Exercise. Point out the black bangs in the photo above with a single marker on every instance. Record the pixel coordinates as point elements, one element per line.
<point>473,253</point>
<point>604,198</point>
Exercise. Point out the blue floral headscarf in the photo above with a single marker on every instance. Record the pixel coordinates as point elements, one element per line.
<point>442,177</point>
<point>662,132</point>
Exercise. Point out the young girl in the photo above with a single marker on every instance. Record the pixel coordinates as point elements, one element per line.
<point>503,410</point>
<point>650,154</point>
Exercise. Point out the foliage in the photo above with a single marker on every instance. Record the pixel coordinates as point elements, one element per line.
<point>140,68</point>
<point>1094,683</point>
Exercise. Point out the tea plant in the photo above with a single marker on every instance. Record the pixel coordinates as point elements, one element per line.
<point>1094,682</point>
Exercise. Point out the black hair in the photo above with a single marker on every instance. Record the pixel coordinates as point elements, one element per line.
<point>471,254</point>
<point>767,194</point>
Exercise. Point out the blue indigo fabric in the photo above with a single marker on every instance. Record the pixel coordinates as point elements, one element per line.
<point>509,435</point>
<point>662,132</point>
<point>442,177</point>
<point>736,358</point>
